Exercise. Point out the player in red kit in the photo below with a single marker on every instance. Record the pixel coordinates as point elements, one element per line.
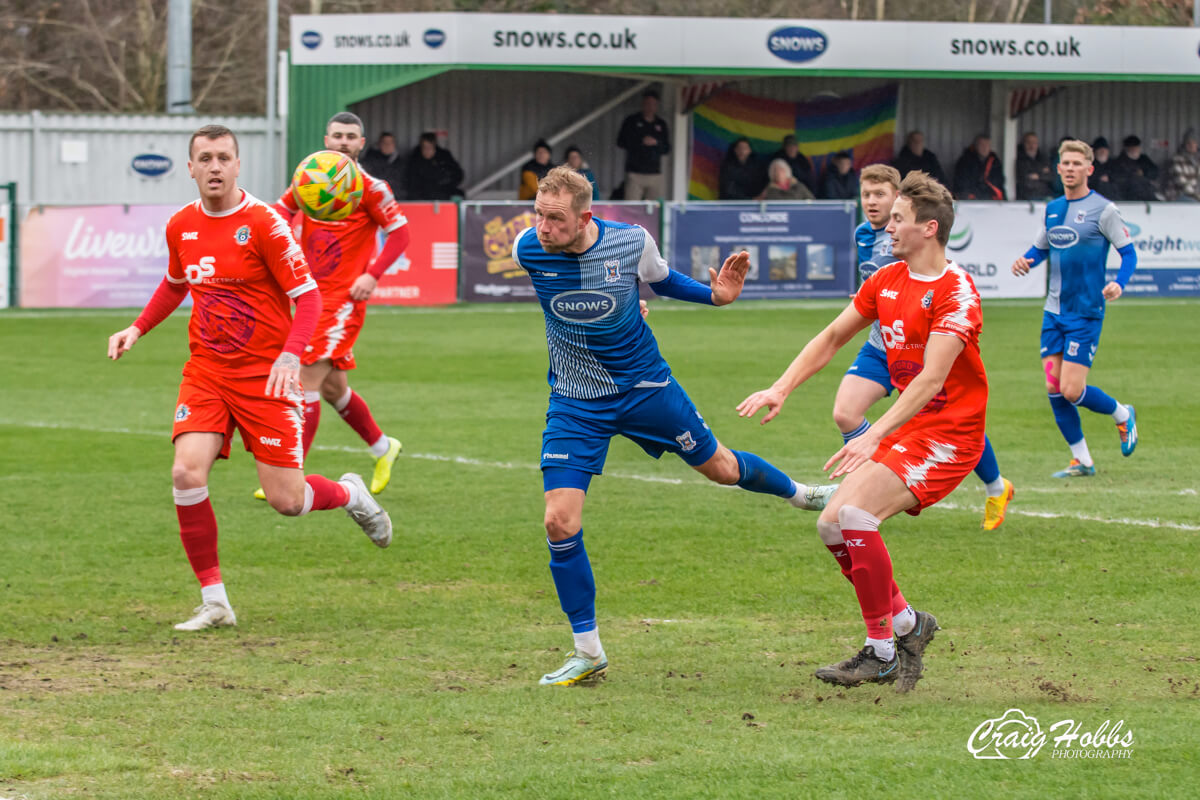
<point>923,446</point>
<point>339,253</point>
<point>237,257</point>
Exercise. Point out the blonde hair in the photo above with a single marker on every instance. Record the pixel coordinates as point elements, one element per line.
<point>1075,146</point>
<point>930,201</point>
<point>881,173</point>
<point>564,180</point>
<point>779,163</point>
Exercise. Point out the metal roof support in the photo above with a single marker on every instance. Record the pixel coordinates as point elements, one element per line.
<point>560,135</point>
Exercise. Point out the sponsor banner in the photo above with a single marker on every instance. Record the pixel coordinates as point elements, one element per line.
<point>988,237</point>
<point>6,212</point>
<point>703,43</point>
<point>1167,238</point>
<point>427,273</point>
<point>93,256</point>
<point>796,249</point>
<point>489,273</point>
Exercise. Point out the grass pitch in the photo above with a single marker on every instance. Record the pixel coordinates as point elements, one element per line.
<point>412,672</point>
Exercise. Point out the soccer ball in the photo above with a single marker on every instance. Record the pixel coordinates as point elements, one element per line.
<point>327,185</point>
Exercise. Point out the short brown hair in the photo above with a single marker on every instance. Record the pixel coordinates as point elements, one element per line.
<point>564,180</point>
<point>1075,146</point>
<point>930,201</point>
<point>881,173</point>
<point>212,132</point>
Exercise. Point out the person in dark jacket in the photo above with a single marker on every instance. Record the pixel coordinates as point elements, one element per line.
<point>535,169</point>
<point>978,174</point>
<point>1101,179</point>
<point>383,161</point>
<point>645,138</point>
<point>914,156</point>
<point>801,167</point>
<point>840,181</point>
<point>1134,173</point>
<point>741,176</point>
<point>1034,177</point>
<point>433,174</point>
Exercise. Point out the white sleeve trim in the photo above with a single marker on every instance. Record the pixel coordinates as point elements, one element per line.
<point>516,244</point>
<point>303,288</point>
<point>652,267</point>
<point>175,280</point>
<point>397,225</point>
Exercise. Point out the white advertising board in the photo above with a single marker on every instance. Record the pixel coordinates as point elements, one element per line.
<point>988,237</point>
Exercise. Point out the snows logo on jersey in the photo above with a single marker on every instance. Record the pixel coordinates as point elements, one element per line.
<point>242,236</point>
<point>580,305</point>
<point>196,273</point>
<point>1062,236</point>
<point>612,271</point>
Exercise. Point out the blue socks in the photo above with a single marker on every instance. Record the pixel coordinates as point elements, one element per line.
<point>1094,399</point>
<point>857,432</point>
<point>761,476</point>
<point>987,469</point>
<point>1067,417</point>
<point>573,579</point>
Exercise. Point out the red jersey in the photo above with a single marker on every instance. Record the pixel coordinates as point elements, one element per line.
<point>241,266</point>
<point>339,251</point>
<point>911,308</point>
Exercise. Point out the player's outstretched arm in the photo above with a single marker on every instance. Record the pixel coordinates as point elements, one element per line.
<point>815,355</point>
<point>121,342</point>
<point>727,284</point>
<point>1032,257</point>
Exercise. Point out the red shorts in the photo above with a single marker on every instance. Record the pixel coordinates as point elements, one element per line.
<point>271,426</point>
<point>931,464</point>
<point>337,331</point>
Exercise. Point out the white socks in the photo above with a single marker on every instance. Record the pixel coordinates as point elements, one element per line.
<point>1121,414</point>
<point>904,622</point>
<point>797,499</point>
<point>1080,452</point>
<point>379,449</point>
<point>214,593</point>
<point>885,649</point>
<point>996,487</point>
<point>587,644</point>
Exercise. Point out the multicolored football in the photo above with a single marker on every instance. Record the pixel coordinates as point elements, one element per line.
<point>327,185</point>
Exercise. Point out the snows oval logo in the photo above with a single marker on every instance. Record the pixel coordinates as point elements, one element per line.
<point>434,37</point>
<point>583,306</point>
<point>310,39</point>
<point>1062,236</point>
<point>796,44</point>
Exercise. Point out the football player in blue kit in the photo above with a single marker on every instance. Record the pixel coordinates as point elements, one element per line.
<point>607,377</point>
<point>868,380</point>
<point>1079,228</point>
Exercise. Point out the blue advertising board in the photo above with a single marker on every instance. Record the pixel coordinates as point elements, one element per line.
<point>797,249</point>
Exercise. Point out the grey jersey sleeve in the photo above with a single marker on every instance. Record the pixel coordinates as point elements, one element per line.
<point>1113,227</point>
<point>652,267</point>
<point>1040,241</point>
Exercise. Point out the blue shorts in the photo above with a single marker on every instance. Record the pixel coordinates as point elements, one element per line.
<point>658,419</point>
<point>1074,336</point>
<point>871,363</point>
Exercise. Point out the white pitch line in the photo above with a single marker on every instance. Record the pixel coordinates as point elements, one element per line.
<point>508,465</point>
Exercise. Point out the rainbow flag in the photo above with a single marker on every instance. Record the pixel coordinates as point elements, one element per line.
<point>863,123</point>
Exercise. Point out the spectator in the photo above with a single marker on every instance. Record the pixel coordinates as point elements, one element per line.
<point>534,170</point>
<point>433,174</point>
<point>783,185</point>
<point>383,161</point>
<point>797,162</point>
<point>914,156</point>
<point>1033,170</point>
<point>840,181</point>
<point>1134,173</point>
<point>645,139</point>
<point>575,161</point>
<point>978,174</point>
<point>1101,179</point>
<point>1183,175</point>
<point>741,176</point>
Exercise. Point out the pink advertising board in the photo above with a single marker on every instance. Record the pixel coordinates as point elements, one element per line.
<point>92,256</point>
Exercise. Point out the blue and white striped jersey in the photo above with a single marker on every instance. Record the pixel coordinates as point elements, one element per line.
<point>1077,233</point>
<point>874,251</point>
<point>599,344</point>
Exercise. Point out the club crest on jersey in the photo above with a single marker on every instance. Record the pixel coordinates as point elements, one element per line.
<point>242,236</point>
<point>686,443</point>
<point>1081,216</point>
<point>612,271</point>
<point>182,413</point>
<point>927,300</point>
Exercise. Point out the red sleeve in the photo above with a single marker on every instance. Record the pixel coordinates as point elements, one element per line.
<point>166,299</point>
<point>304,322</point>
<point>393,247</point>
<point>286,204</point>
<point>381,205</point>
<point>282,254</point>
<point>865,298</point>
<point>956,311</point>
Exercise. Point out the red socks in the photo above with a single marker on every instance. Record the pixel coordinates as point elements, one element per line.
<point>326,494</point>
<point>312,418</point>
<point>198,532</point>
<point>358,417</point>
<point>871,571</point>
<point>842,554</point>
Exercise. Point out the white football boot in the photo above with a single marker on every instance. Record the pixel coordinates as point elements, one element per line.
<point>367,512</point>
<point>210,614</point>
